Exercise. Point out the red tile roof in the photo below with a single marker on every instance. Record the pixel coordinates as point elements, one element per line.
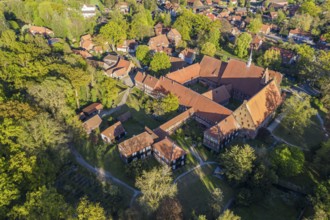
<point>186,74</point>
<point>114,130</point>
<point>139,77</point>
<point>158,43</point>
<point>40,30</point>
<point>177,120</point>
<point>169,149</point>
<point>219,94</point>
<point>135,144</point>
<point>120,68</point>
<point>92,123</point>
<point>150,81</point>
<point>93,108</point>
<point>212,68</point>
<point>223,128</point>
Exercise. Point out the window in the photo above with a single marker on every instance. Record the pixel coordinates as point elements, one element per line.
<point>134,154</point>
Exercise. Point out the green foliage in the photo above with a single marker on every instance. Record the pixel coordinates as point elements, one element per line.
<point>298,111</point>
<point>281,16</point>
<point>289,161</point>
<point>301,21</point>
<point>88,210</point>
<point>238,162</point>
<point>255,25</point>
<point>321,200</point>
<point>208,49</point>
<point>216,201</point>
<point>310,8</point>
<point>143,54</point>
<point>271,58</point>
<point>160,64</point>
<point>155,186</point>
<point>141,25</point>
<point>113,33</point>
<point>228,215</point>
<point>167,104</point>
<point>322,160</point>
<point>170,208</point>
<point>242,44</point>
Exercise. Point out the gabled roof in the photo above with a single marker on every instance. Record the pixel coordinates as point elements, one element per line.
<point>120,68</point>
<point>93,108</point>
<point>139,77</point>
<point>175,32</point>
<point>177,120</point>
<point>177,63</point>
<point>185,74</point>
<point>212,68</point>
<point>187,52</point>
<point>169,149</point>
<point>158,41</point>
<point>150,81</point>
<point>92,123</point>
<point>219,94</point>
<point>114,130</point>
<point>40,30</point>
<point>135,144</point>
<point>264,28</point>
<point>223,128</point>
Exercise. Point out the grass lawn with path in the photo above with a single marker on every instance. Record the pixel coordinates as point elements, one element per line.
<point>311,137</point>
<point>195,189</point>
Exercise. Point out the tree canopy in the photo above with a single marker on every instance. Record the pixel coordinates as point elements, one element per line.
<point>242,45</point>
<point>160,64</point>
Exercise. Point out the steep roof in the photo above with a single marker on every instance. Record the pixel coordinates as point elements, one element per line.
<point>175,32</point>
<point>92,108</point>
<point>40,30</point>
<point>169,149</point>
<point>92,123</point>
<point>150,81</point>
<point>212,68</point>
<point>219,94</point>
<point>223,128</point>
<point>185,74</point>
<point>188,53</point>
<point>177,63</point>
<point>243,78</point>
<point>135,144</point>
<point>114,130</point>
<point>139,77</point>
<point>120,68</point>
<point>159,41</point>
<point>177,120</point>
<point>204,107</point>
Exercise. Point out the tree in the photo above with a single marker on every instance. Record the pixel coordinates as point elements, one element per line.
<point>322,160</point>
<point>170,103</point>
<point>228,215</point>
<point>155,185</point>
<point>143,54</point>
<point>216,201</point>
<point>169,209</point>
<point>272,59</point>
<point>90,211</point>
<point>289,161</point>
<point>238,162</point>
<point>113,33</point>
<point>298,112</point>
<point>160,64</point>
<point>310,8</point>
<point>321,200</point>
<point>208,49</point>
<point>242,44</point>
<point>45,202</point>
<point>281,16</point>
<point>302,22</point>
<point>255,25</point>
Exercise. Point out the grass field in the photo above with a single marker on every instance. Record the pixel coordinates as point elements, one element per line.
<point>276,205</point>
<point>312,136</point>
<point>195,191</point>
<point>197,87</point>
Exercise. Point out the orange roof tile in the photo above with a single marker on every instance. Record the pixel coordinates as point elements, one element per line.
<point>177,120</point>
<point>120,68</point>
<point>114,130</point>
<point>150,81</point>
<point>93,108</point>
<point>139,77</point>
<point>218,95</point>
<point>92,123</point>
<point>155,43</point>
<point>223,128</point>
<point>177,63</point>
<point>186,74</point>
<point>212,68</point>
<point>169,149</point>
<point>135,144</point>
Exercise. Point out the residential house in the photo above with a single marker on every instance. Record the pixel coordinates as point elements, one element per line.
<point>159,43</point>
<point>177,63</point>
<point>110,61</point>
<point>86,42</point>
<point>88,11</point>
<point>82,53</point>
<point>92,109</point>
<point>241,11</point>
<point>40,30</point>
<point>220,95</point>
<point>128,46</point>
<point>224,14</point>
<point>256,42</point>
<point>168,152</point>
<point>123,7</point>
<point>187,75</point>
<point>174,37</point>
<point>114,132</point>
<point>137,147</point>
<point>208,2</point>
<point>288,56</point>
<point>188,55</point>
<point>265,29</point>
<point>211,16</point>
<point>92,123</point>
<point>159,29</point>
<point>120,69</point>
<point>300,36</point>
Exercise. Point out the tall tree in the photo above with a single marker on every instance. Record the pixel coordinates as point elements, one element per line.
<point>208,49</point>
<point>216,202</point>
<point>113,34</point>
<point>298,111</point>
<point>255,25</point>
<point>143,54</point>
<point>238,162</point>
<point>271,58</point>
<point>160,64</point>
<point>228,215</point>
<point>242,44</point>
<point>169,209</point>
<point>155,186</point>
<point>91,211</point>
<point>289,161</point>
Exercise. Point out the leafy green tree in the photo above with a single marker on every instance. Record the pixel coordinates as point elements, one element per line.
<point>43,201</point>
<point>216,201</point>
<point>298,112</point>
<point>255,25</point>
<point>306,59</point>
<point>155,186</point>
<point>321,200</point>
<point>302,22</point>
<point>143,54</point>
<point>208,49</point>
<point>322,160</point>
<point>272,59</point>
<point>242,44</point>
<point>289,161</point>
<point>281,16</point>
<point>310,8</point>
<point>238,162</point>
<point>160,64</point>
<point>184,24</point>
<point>170,209</point>
<point>167,104</point>
<point>228,215</point>
<point>113,33</point>
<point>91,211</point>
<point>141,25</point>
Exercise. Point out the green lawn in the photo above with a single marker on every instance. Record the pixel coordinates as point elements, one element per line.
<point>198,87</point>
<point>276,205</point>
<point>312,136</point>
<point>195,191</point>
<point>233,104</point>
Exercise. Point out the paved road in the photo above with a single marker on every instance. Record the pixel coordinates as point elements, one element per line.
<point>100,172</point>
